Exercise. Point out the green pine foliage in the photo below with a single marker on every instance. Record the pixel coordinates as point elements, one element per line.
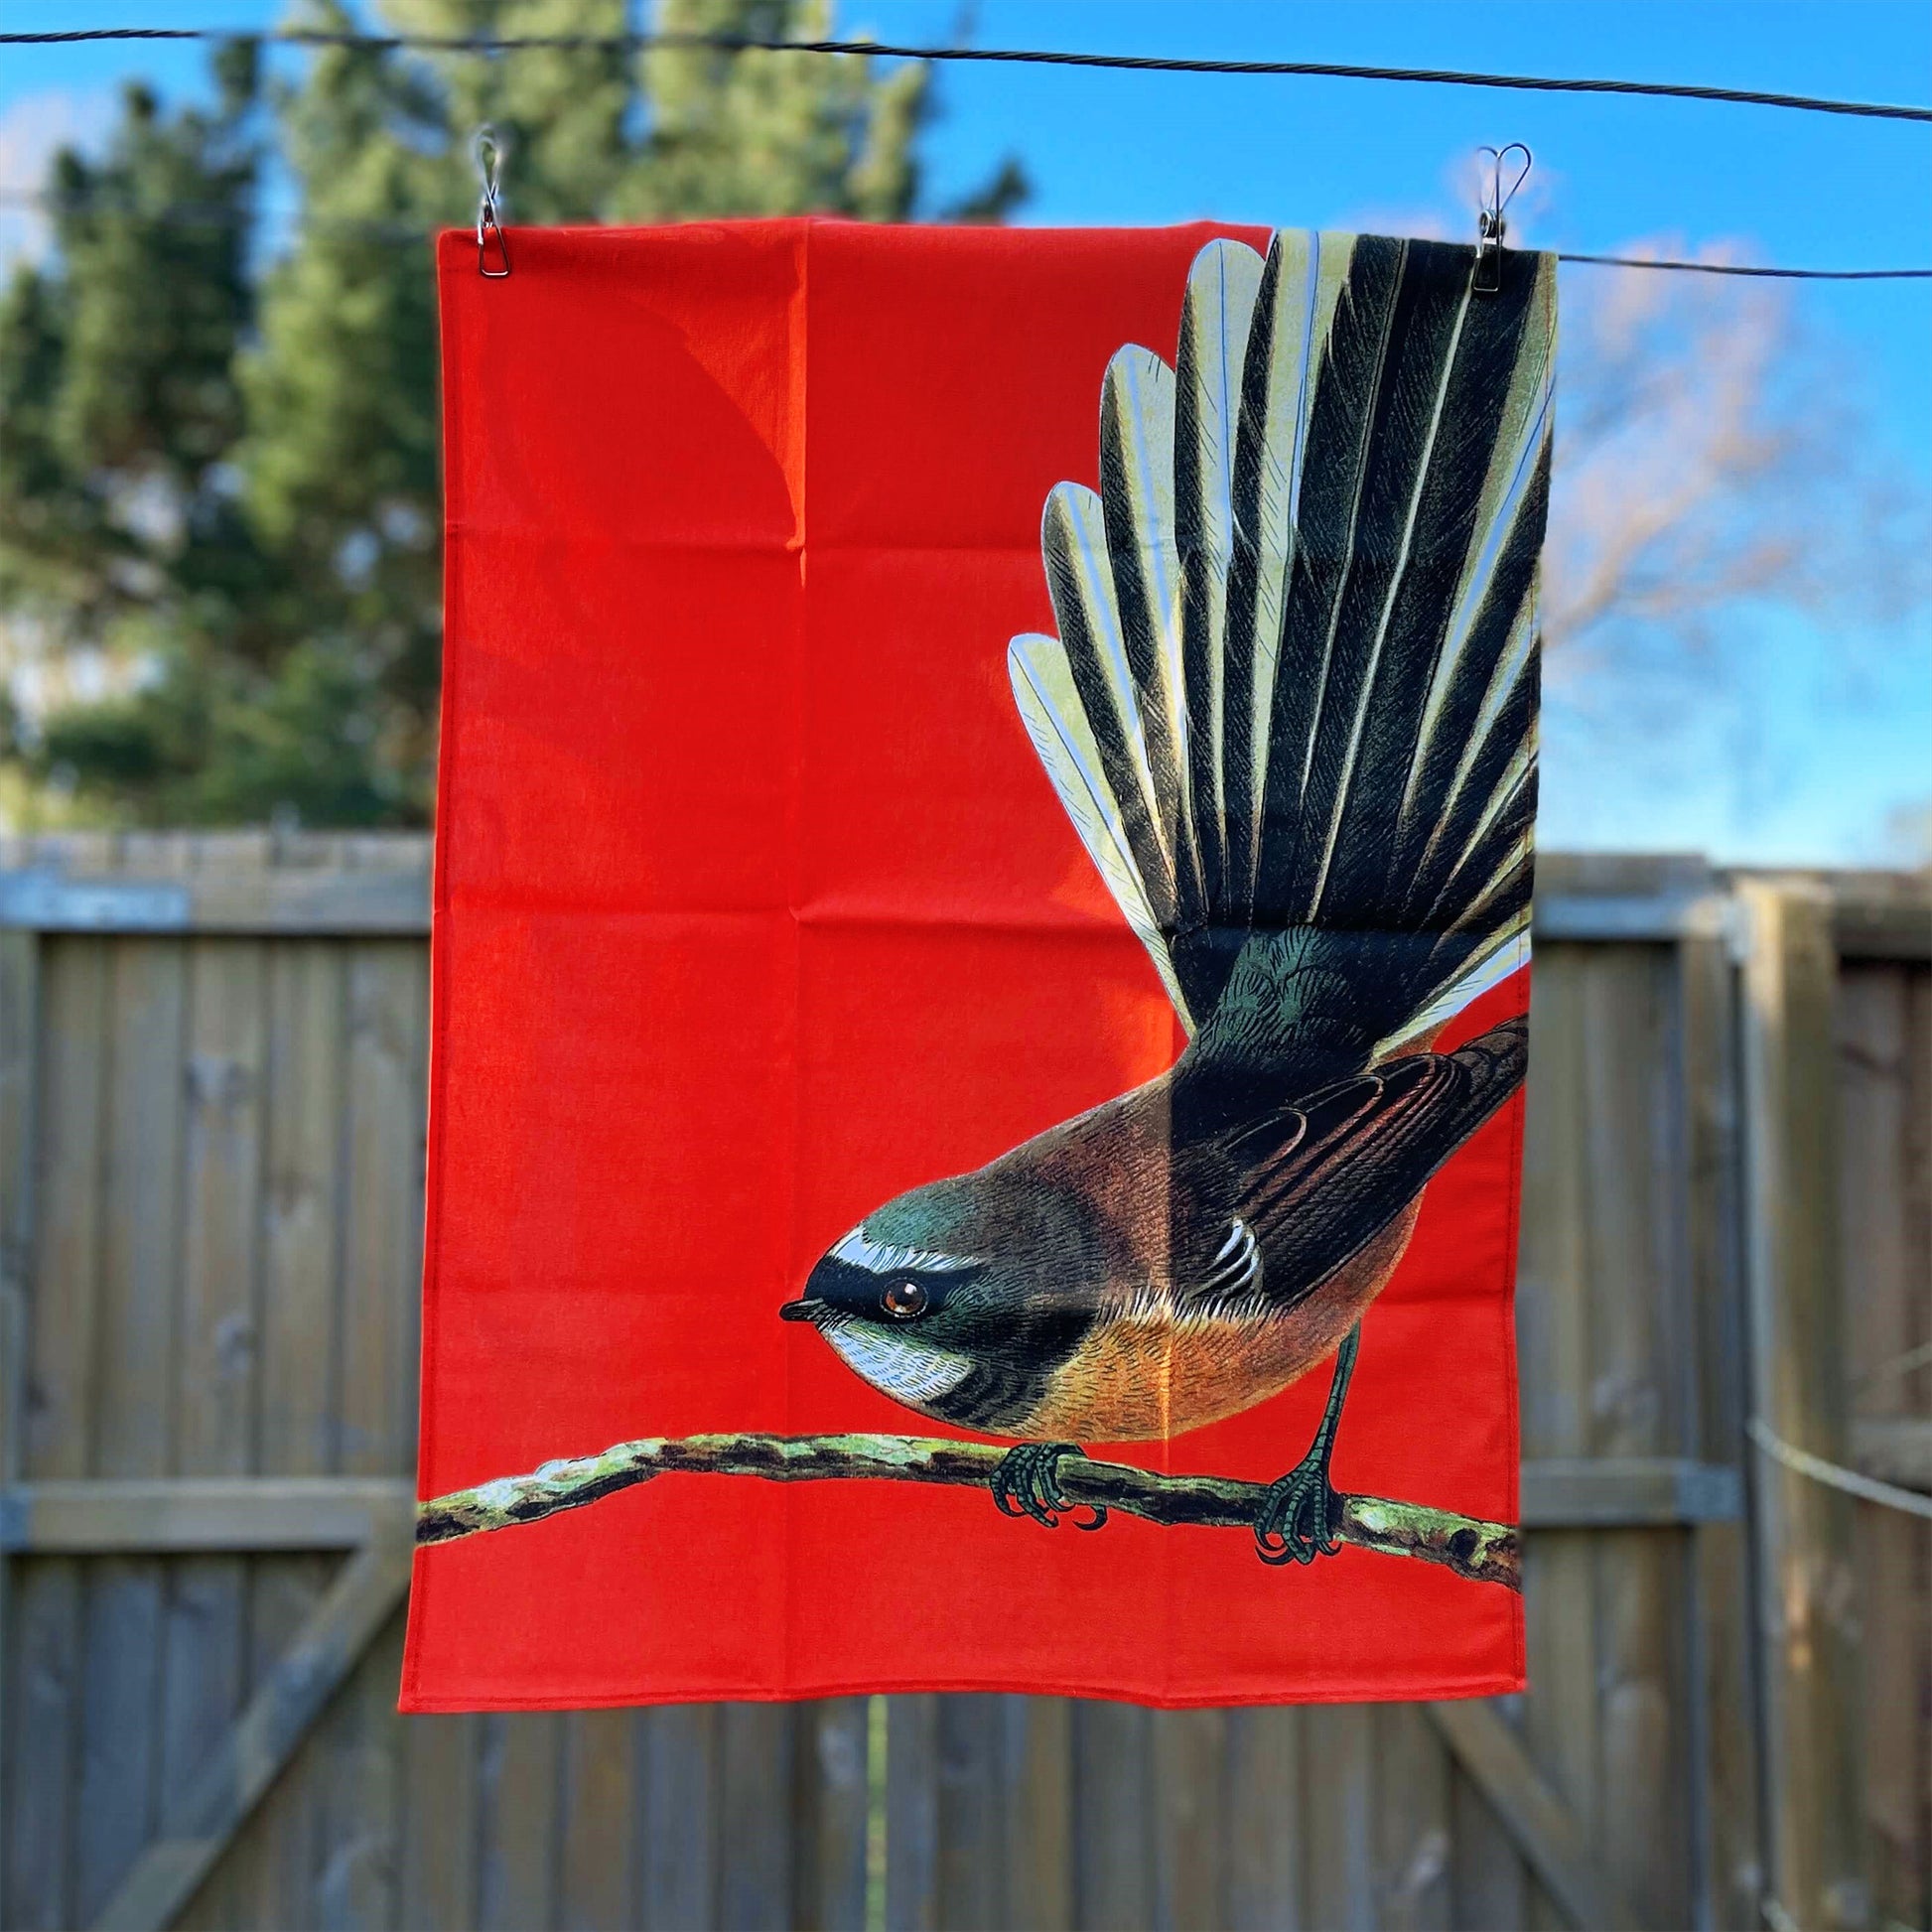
<point>219,520</point>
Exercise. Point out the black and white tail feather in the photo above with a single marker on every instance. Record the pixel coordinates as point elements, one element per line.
<point>1292,703</point>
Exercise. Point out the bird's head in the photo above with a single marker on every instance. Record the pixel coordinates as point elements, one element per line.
<point>961,1297</point>
<point>907,1298</point>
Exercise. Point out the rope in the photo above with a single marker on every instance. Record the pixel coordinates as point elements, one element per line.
<point>1011,56</point>
<point>1913,1358</point>
<point>1834,1476</point>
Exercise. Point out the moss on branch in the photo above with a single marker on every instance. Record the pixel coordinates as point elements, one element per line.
<point>1488,1553</point>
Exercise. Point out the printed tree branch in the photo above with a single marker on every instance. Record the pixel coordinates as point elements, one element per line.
<point>1489,1552</point>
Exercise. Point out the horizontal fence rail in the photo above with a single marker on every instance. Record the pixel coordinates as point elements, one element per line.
<point>297,887</point>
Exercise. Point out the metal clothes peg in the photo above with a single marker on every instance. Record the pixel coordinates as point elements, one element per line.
<point>490,149</point>
<point>1490,226</point>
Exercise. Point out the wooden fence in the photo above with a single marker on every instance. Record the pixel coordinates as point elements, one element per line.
<point>210,1158</point>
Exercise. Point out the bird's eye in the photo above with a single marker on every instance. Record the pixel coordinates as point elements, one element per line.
<point>904,1299</point>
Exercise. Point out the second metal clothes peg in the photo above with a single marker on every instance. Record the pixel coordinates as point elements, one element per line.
<point>1490,226</point>
<point>490,149</point>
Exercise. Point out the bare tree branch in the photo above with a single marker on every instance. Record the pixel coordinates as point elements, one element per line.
<point>1489,1552</point>
<point>1712,454</point>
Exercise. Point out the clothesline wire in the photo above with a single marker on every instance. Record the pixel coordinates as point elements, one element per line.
<point>1137,63</point>
<point>187,215</point>
<point>1739,269</point>
<point>1010,55</point>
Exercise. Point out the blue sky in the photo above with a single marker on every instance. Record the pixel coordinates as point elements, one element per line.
<point>1803,756</point>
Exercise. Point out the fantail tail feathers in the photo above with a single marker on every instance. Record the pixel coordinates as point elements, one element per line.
<point>1295,684</point>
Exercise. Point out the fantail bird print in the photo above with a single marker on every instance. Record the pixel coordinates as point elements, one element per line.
<point>1292,714</point>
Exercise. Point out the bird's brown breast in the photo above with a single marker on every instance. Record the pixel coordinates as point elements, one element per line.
<point>1150,1373</point>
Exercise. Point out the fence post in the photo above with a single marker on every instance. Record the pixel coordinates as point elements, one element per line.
<point>1730,1810</point>
<point>19,1085</point>
<point>1807,1611</point>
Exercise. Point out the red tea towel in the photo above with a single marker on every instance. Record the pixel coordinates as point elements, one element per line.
<point>979,965</point>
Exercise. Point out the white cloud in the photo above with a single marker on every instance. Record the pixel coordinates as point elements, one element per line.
<point>33,129</point>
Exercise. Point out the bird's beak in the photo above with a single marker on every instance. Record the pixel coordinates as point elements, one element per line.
<point>806,1308</point>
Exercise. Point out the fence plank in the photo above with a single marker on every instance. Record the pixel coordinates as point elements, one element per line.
<point>1721,1690</point>
<point>598,1822</point>
<point>1039,1828</point>
<point>754,1889</point>
<point>114,1814</point>
<point>1641,1378</point>
<point>518,1781</point>
<point>300,1281</point>
<point>1805,1529</point>
<point>131,1426</point>
<point>387,1051</point>
<point>1338,1815</point>
<point>360,1742</point>
<point>45,1672</point>
<point>440,1843</point>
<point>1190,1774</point>
<point>357,1751</point>
<point>1886,1254</point>
<point>1915,1388</point>
<point>46,1611</point>
<point>1264,1843</point>
<point>1113,1811</point>
<point>205,1646</point>
<point>127,1422</point>
<point>302,1258</point>
<point>60,1405</point>
<point>19,1096</point>
<point>685,1838</point>
<point>1411,1821</point>
<point>830,1810</point>
<point>20,1034</point>
<point>913,1814</point>
<point>970,1851</point>
<point>1491,1886</point>
<point>1643,1837</point>
<point>1560,1716</point>
<point>140,1207</point>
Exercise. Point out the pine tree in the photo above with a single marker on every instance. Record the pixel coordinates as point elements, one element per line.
<point>220,518</point>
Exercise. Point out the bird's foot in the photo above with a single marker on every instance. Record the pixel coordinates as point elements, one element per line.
<point>1299,1518</point>
<point>1028,1483</point>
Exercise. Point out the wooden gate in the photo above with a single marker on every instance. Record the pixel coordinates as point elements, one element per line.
<point>210,1161</point>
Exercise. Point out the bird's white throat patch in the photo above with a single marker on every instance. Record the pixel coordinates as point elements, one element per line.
<point>905,1367</point>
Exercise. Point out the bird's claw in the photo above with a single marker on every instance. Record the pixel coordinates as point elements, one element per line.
<point>1299,1518</point>
<point>1028,1483</point>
